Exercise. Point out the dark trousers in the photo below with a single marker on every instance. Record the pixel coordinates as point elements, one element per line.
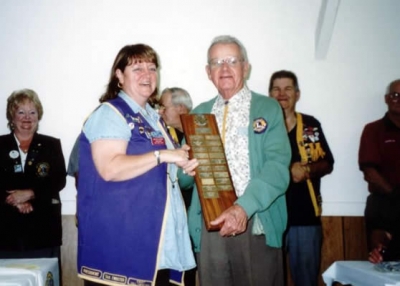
<point>190,277</point>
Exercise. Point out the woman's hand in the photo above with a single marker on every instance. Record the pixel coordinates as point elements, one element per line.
<point>187,165</point>
<point>24,208</point>
<point>178,156</point>
<point>16,197</point>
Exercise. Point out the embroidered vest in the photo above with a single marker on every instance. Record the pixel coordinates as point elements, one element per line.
<point>120,223</point>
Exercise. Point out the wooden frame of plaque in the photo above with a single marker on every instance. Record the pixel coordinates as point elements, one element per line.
<point>213,179</point>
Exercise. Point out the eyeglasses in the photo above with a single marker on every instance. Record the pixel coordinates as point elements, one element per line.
<point>230,61</point>
<point>163,107</point>
<point>394,95</point>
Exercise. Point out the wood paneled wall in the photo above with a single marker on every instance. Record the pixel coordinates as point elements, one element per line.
<point>344,239</point>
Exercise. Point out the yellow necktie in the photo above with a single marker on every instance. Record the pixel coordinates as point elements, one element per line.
<point>226,108</point>
<point>173,134</point>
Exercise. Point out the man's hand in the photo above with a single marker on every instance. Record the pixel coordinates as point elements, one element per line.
<point>378,184</point>
<point>233,220</point>
<point>379,242</point>
<point>375,255</point>
<point>298,172</point>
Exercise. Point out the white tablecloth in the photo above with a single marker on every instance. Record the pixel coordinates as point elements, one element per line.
<point>359,273</point>
<point>29,272</point>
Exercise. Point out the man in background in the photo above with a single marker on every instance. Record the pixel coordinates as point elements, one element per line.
<point>311,160</point>
<point>174,102</point>
<point>379,161</point>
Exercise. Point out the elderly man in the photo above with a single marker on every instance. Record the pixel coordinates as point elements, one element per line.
<point>174,102</point>
<point>247,249</point>
<point>379,161</point>
<point>311,160</point>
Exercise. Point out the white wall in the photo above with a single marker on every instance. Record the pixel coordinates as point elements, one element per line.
<point>64,50</point>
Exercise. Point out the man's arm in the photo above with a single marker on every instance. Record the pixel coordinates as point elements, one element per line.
<point>369,160</point>
<point>322,166</point>
<point>270,158</point>
<point>319,169</point>
<point>378,184</point>
<point>303,171</point>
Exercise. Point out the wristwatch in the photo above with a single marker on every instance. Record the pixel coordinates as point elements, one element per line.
<point>157,155</point>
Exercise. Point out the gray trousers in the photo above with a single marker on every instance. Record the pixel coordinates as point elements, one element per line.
<point>243,260</point>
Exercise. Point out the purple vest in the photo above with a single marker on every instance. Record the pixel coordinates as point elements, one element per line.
<point>120,223</point>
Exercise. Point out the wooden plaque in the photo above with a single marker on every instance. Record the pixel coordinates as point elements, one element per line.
<point>213,179</point>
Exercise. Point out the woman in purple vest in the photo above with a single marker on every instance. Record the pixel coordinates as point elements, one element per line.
<point>132,219</point>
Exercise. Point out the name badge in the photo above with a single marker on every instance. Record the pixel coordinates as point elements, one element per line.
<point>14,154</point>
<point>17,168</point>
<point>157,141</point>
<point>157,138</point>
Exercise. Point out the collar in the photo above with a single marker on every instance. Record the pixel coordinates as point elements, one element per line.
<point>237,98</point>
<point>148,110</point>
<point>389,123</point>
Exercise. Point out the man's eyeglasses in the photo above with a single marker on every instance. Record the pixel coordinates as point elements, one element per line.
<point>394,95</point>
<point>230,61</point>
<point>163,107</point>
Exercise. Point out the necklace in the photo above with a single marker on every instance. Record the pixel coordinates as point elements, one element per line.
<point>24,145</point>
<point>172,181</point>
<point>23,150</point>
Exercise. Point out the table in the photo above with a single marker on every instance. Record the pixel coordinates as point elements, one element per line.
<point>359,273</point>
<point>29,272</point>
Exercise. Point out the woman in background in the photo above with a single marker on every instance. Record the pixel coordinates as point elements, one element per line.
<point>132,220</point>
<point>32,173</point>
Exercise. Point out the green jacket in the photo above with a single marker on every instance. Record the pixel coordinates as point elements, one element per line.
<point>270,155</point>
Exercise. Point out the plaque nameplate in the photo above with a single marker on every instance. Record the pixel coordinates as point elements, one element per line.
<point>213,180</point>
